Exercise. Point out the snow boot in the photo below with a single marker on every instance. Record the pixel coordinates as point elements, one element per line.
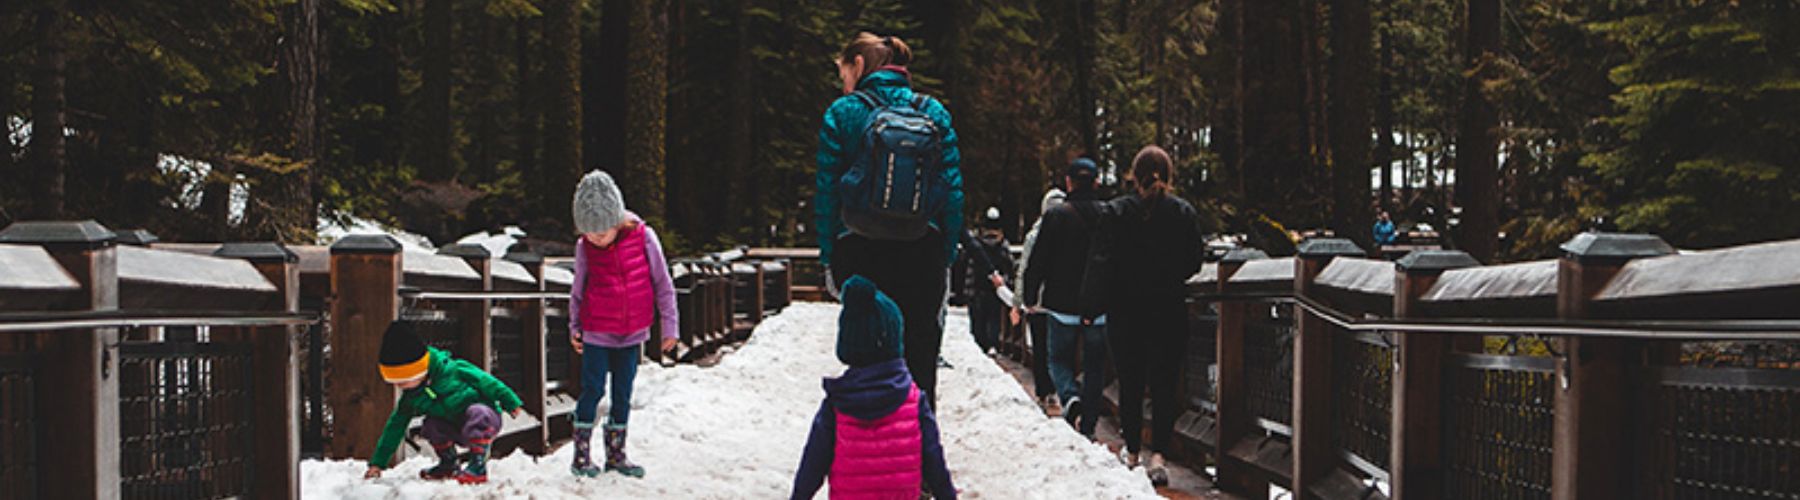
<point>1128,458</point>
<point>584,466</point>
<point>476,471</point>
<point>1071,412</point>
<point>615,453</point>
<point>446,467</point>
<point>1157,470</point>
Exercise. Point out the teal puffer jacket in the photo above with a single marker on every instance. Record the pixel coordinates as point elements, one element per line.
<point>840,141</point>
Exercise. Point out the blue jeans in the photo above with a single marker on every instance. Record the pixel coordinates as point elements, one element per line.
<point>596,363</point>
<point>1063,339</point>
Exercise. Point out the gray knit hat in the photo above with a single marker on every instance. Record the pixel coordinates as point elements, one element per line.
<point>598,204</point>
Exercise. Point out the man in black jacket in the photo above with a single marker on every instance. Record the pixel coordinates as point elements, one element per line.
<point>989,257</point>
<point>1058,267</point>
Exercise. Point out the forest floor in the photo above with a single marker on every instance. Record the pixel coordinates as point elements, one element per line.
<point>736,430</point>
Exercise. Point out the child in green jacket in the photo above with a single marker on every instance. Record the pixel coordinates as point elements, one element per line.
<point>457,399</point>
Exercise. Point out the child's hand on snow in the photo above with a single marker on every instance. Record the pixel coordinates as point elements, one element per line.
<point>518,412</point>
<point>374,472</point>
<point>668,345</point>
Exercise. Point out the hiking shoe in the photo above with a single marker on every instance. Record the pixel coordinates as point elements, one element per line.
<point>1157,470</point>
<point>1072,411</point>
<point>1128,458</point>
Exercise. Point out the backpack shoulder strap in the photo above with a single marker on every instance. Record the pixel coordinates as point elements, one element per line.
<point>867,98</point>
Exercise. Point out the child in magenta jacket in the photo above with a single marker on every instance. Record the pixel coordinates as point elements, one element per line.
<point>874,435</point>
<point>622,286</point>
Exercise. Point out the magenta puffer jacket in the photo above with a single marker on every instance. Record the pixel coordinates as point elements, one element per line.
<point>618,298</point>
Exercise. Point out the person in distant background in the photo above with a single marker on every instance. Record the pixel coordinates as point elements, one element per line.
<point>991,266</point>
<point>1384,229</point>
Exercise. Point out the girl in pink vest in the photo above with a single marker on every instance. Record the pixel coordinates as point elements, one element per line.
<point>874,436</point>
<point>622,286</point>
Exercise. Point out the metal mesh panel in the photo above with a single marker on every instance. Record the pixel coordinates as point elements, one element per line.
<point>557,350</point>
<point>1499,421</point>
<point>18,426</point>
<point>315,364</point>
<point>1727,425</point>
<point>1201,373</point>
<point>507,333</point>
<point>1269,358</point>
<point>185,420</point>
<point>1362,388</point>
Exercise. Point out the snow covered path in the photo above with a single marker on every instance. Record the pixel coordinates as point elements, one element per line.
<point>736,430</point>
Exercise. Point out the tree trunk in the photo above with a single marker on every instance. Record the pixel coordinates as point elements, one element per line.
<point>436,159</point>
<point>646,91</point>
<point>1384,122</point>
<point>1085,99</point>
<point>739,147</point>
<point>287,200</point>
<point>1477,168</point>
<point>1351,65</point>
<point>46,159</point>
<point>562,114</point>
<point>1275,158</point>
<point>530,102</point>
<point>1227,122</point>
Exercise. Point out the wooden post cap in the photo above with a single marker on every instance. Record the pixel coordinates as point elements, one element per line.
<point>1242,255</point>
<point>466,251</point>
<point>78,234</point>
<point>1324,248</point>
<point>262,252</point>
<point>137,237</point>
<point>1434,261</point>
<point>524,257</point>
<point>1596,246</point>
<point>366,244</point>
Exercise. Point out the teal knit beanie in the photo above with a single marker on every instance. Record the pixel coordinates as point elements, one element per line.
<point>870,325</point>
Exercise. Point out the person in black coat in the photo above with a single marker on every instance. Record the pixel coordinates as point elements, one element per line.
<point>1156,246</point>
<point>989,256</point>
<point>1054,281</point>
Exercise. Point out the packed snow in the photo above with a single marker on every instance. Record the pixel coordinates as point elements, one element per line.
<point>736,430</point>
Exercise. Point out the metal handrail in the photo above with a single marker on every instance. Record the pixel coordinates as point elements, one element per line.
<point>45,321</point>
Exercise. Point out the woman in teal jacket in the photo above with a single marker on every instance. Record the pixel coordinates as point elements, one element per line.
<point>912,272</point>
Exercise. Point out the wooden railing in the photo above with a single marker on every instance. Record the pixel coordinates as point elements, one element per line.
<point>146,372</point>
<point>1621,370</point>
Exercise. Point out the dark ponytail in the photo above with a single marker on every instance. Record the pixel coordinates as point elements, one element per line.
<point>1153,171</point>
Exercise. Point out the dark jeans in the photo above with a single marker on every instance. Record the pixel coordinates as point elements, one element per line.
<point>1092,341</point>
<point>479,422</point>
<point>1148,347</point>
<point>596,364</point>
<point>912,273</point>
<point>985,316</point>
<point>1040,354</point>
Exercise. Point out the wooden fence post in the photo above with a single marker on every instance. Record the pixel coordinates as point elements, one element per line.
<point>275,359</point>
<point>77,382</point>
<point>1235,415</point>
<point>475,344</point>
<point>365,286</point>
<point>1314,445</point>
<point>1597,377</point>
<point>531,335</point>
<point>1416,451</point>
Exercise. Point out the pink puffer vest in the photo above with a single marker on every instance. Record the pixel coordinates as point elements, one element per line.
<point>879,458</point>
<point>619,299</point>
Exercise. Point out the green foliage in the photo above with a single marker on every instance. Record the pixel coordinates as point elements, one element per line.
<point>1706,122</point>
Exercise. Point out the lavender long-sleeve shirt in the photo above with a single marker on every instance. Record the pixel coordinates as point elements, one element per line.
<point>664,286</point>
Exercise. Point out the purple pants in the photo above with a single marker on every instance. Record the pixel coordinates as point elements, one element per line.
<point>479,422</point>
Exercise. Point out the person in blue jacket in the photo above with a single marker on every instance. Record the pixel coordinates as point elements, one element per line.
<point>1385,234</point>
<point>915,272</point>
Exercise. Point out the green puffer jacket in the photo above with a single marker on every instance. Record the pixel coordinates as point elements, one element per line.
<point>451,387</point>
<point>840,141</point>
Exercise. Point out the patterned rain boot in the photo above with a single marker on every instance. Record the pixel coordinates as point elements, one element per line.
<point>615,453</point>
<point>446,466</point>
<point>476,471</point>
<point>584,466</point>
